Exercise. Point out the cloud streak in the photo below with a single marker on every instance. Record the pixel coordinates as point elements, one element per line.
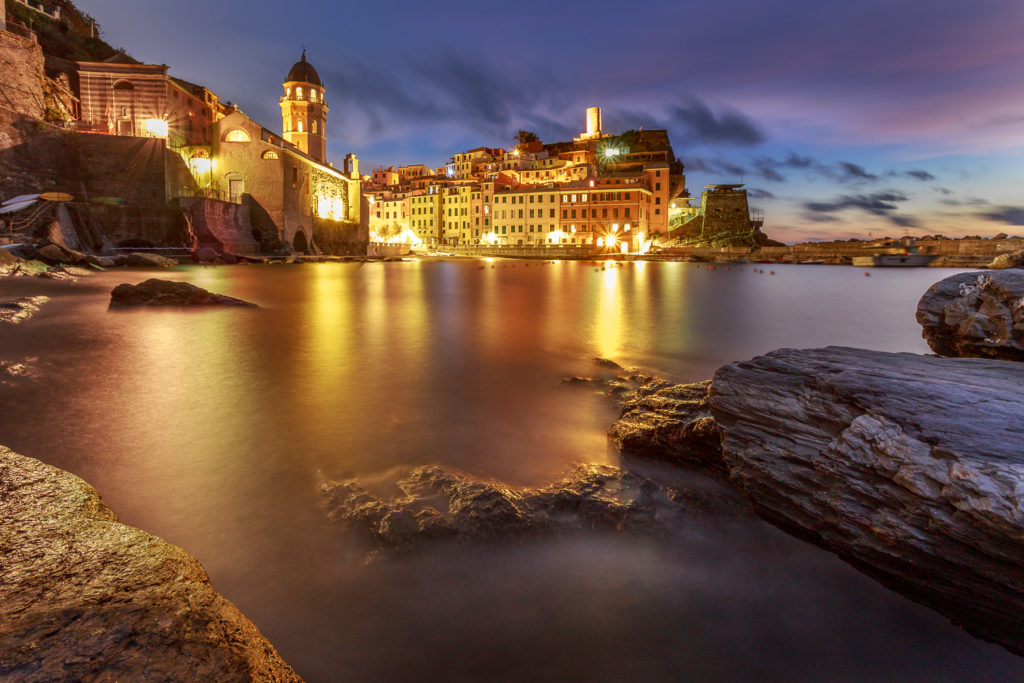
<point>883,204</point>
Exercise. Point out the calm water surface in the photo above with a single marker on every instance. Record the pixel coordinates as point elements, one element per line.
<point>209,428</point>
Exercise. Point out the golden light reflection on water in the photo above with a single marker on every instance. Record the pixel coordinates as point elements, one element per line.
<point>608,326</point>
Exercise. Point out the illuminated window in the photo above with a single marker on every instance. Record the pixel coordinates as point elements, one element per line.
<point>288,92</point>
<point>299,126</point>
<point>270,154</point>
<point>298,93</point>
<point>312,94</point>
<point>236,135</point>
<point>314,125</point>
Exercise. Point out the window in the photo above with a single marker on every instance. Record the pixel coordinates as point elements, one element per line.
<point>657,186</point>
<point>314,125</point>
<point>298,93</point>
<point>299,126</point>
<point>270,154</point>
<point>552,214</point>
<point>236,135</point>
<point>312,95</point>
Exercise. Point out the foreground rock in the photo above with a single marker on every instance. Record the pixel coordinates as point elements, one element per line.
<point>977,315</point>
<point>154,292</point>
<point>20,310</point>
<point>83,597</point>
<point>909,467</point>
<point>671,423</point>
<point>432,503</point>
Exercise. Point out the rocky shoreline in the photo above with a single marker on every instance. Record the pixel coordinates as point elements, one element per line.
<point>906,466</point>
<point>84,597</point>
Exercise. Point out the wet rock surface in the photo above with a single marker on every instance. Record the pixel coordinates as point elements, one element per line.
<point>669,422</point>
<point>432,503</point>
<point>978,315</point>
<point>83,597</point>
<point>20,310</point>
<point>144,260</point>
<point>154,292</point>
<point>909,467</point>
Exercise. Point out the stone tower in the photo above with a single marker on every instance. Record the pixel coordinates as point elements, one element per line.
<point>304,110</point>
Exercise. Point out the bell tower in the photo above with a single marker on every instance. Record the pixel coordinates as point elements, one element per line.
<point>304,110</point>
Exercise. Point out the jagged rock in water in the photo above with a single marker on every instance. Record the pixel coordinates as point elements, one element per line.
<point>149,260</point>
<point>154,292</point>
<point>909,467</point>
<point>669,422</point>
<point>606,364</point>
<point>975,314</point>
<point>20,310</point>
<point>433,503</point>
<point>83,597</point>
<point>1014,259</point>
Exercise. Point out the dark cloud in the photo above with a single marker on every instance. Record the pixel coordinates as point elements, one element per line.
<point>692,122</point>
<point>714,166</point>
<point>696,121</point>
<point>877,204</point>
<point>919,174</point>
<point>854,172</point>
<point>758,193</point>
<point>943,190</point>
<point>1014,215</point>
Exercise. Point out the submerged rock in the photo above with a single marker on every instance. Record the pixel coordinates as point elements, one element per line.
<point>975,314</point>
<point>432,503</point>
<point>143,260</point>
<point>20,310</point>
<point>83,597</point>
<point>909,467</point>
<point>154,292</point>
<point>670,422</point>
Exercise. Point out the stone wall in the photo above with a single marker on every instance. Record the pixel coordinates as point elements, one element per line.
<point>336,238</point>
<point>21,76</point>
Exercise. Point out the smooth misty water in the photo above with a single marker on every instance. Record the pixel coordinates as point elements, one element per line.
<point>209,427</point>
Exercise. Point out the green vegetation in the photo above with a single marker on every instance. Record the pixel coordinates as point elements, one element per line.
<point>69,37</point>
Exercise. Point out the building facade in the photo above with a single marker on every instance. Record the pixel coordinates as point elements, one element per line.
<point>598,190</point>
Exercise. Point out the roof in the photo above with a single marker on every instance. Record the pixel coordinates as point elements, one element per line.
<point>303,72</point>
<point>121,57</point>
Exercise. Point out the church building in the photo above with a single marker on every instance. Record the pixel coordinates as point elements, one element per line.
<point>295,197</point>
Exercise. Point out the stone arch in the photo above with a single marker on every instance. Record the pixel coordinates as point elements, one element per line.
<point>300,243</point>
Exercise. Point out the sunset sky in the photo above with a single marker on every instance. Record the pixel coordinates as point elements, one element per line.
<point>843,119</point>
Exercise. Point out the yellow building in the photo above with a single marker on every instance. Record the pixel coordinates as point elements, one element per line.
<point>304,110</point>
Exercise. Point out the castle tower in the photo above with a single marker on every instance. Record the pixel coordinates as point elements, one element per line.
<point>304,110</point>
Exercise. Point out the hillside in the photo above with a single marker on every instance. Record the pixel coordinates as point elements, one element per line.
<point>69,37</point>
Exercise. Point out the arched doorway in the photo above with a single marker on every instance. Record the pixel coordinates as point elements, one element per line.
<point>299,243</point>
<point>122,113</point>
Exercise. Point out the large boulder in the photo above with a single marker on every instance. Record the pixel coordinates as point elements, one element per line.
<point>84,597</point>
<point>909,467</point>
<point>975,314</point>
<point>1014,259</point>
<point>154,292</point>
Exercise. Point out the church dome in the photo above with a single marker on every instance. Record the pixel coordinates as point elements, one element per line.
<point>304,72</point>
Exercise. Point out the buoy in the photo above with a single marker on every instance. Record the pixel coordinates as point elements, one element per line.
<point>867,274</point>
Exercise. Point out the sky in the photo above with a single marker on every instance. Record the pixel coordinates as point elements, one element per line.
<point>844,119</point>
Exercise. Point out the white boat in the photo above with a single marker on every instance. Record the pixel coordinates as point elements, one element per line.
<point>894,260</point>
<point>19,199</point>
<point>16,206</point>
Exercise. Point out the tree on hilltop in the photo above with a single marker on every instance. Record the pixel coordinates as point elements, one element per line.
<point>525,136</point>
